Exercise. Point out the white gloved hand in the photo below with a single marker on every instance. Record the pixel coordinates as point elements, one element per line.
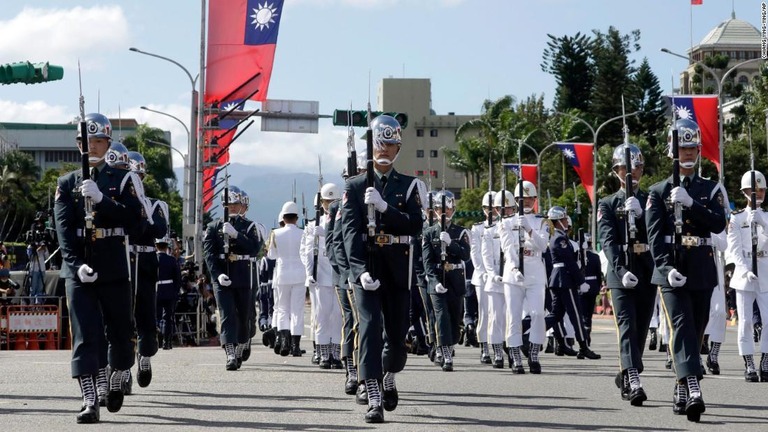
<point>372,196</point>
<point>310,282</point>
<point>229,230</point>
<point>584,288</point>
<point>676,279</point>
<point>91,190</point>
<point>525,223</point>
<point>585,245</point>
<point>518,276</point>
<point>497,279</point>
<point>629,280</point>
<point>758,217</point>
<point>86,274</point>
<point>224,280</point>
<point>633,204</point>
<point>368,283</point>
<point>440,289</point>
<point>679,194</point>
<point>751,277</point>
<point>445,238</point>
<point>484,277</point>
<point>319,231</point>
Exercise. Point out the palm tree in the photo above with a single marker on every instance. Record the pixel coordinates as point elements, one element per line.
<point>17,173</point>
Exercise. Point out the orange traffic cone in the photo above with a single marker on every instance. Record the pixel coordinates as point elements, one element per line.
<point>50,342</point>
<point>32,344</point>
<point>21,342</point>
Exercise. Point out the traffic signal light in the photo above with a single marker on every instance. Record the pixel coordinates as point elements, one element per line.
<point>360,118</point>
<point>28,73</point>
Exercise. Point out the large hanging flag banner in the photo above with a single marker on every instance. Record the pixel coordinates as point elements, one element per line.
<point>217,152</point>
<point>702,110</point>
<point>582,158</point>
<point>242,37</point>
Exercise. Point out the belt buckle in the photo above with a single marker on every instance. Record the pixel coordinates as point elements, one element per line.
<point>232,257</point>
<point>382,239</point>
<point>638,248</point>
<point>690,241</point>
<point>448,266</point>
<point>98,233</point>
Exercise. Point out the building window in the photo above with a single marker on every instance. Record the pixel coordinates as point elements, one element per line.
<point>419,132</point>
<point>433,153</point>
<point>433,133</point>
<point>419,153</point>
<point>419,173</point>
<point>58,156</point>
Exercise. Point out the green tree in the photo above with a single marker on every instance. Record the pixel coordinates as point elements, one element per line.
<point>569,60</point>
<point>18,173</point>
<point>650,120</point>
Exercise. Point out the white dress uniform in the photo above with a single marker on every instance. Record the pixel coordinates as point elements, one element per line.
<point>326,307</point>
<point>531,292</point>
<point>740,253</point>
<point>289,278</point>
<point>479,278</point>
<point>491,253</point>
<point>717,313</point>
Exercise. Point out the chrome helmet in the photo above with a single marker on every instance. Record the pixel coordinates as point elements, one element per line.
<point>437,199</point>
<point>98,126</point>
<point>635,156</point>
<point>117,156</point>
<point>137,163</point>
<point>236,195</point>
<point>556,213</point>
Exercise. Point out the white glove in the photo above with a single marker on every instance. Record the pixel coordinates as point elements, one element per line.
<point>675,278</point>
<point>229,230</point>
<point>224,280</point>
<point>86,274</point>
<point>440,289</point>
<point>91,190</point>
<point>497,279</point>
<point>319,231</point>
<point>680,195</point>
<point>629,280</point>
<point>445,238</point>
<point>633,204</point>
<point>525,223</point>
<point>751,277</point>
<point>310,282</point>
<point>372,196</point>
<point>368,283</point>
<point>758,218</point>
<point>484,277</point>
<point>584,288</point>
<point>585,245</point>
<point>518,276</point>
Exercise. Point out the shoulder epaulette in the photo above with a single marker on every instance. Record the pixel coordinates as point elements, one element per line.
<point>737,211</point>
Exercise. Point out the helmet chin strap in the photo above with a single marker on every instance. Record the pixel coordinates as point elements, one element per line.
<point>93,159</point>
<point>527,210</point>
<point>749,196</point>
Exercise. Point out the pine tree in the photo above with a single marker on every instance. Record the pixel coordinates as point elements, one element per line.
<point>650,121</point>
<point>568,60</point>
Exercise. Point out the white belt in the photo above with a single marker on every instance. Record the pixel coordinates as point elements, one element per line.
<point>760,254</point>
<point>234,257</point>
<point>389,239</point>
<point>165,282</point>
<point>590,277</point>
<point>449,266</point>
<point>140,248</point>
<point>104,232</point>
<point>558,265</point>
<point>690,241</point>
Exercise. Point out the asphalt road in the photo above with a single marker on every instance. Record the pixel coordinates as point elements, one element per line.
<point>191,390</point>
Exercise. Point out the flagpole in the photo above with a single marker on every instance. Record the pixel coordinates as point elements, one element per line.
<point>200,142</point>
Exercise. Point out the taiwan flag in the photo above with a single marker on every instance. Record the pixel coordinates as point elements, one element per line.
<point>216,153</point>
<point>697,2</point>
<point>529,172</point>
<point>702,110</point>
<point>242,37</point>
<point>582,158</point>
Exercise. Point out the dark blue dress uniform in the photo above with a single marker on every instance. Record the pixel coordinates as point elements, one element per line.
<point>168,286</point>
<point>232,301</point>
<point>564,280</point>
<point>266,294</point>
<point>448,306</point>
<point>593,275</point>
<point>340,271</point>
<point>381,347</point>
<point>144,276</point>
<point>420,274</point>
<point>106,303</point>
<point>632,307</point>
<point>686,307</point>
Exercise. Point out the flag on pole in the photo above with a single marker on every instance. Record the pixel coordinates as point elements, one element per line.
<point>582,159</point>
<point>702,110</point>
<point>242,37</point>
<point>529,171</point>
<point>696,2</point>
<point>216,151</point>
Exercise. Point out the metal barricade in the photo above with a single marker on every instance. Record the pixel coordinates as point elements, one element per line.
<point>25,324</point>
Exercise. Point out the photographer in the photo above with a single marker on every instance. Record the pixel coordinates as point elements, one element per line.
<point>8,287</point>
<point>37,254</point>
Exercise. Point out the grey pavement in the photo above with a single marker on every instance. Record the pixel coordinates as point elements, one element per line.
<point>191,390</point>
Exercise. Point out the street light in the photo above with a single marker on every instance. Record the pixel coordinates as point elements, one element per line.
<point>719,100</point>
<point>186,178</point>
<point>190,168</point>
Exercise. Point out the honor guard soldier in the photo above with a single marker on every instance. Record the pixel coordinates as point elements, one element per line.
<point>445,248</point>
<point>565,279</point>
<point>228,246</point>
<point>745,227</point>
<point>593,275</point>
<point>93,217</point>
<point>695,208</point>
<point>527,285</point>
<point>480,275</point>
<point>155,224</point>
<point>168,286</point>
<point>624,237</point>
<point>377,263</point>
<point>419,311</point>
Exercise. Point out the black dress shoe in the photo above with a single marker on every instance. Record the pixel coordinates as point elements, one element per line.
<point>668,364</point>
<point>694,408</point>
<point>653,342</point>
<point>350,387</point>
<point>447,366</point>
<point>550,345</point>
<point>389,399</point>
<point>143,376</point>
<point>678,406</point>
<point>587,353</point>
<point>361,397</point>
<point>713,366</point>
<point>564,350</point>
<point>336,364</point>
<point>247,352</point>
<point>232,364</point>
<point>324,364</point>
<point>751,376</point>
<point>622,383</point>
<point>534,367</point>
<point>518,370</point>
<point>498,364</point>
<point>486,359</point>
<point>88,414</point>
<point>128,385</point>
<point>115,396</point>
<point>374,415</point>
<point>102,398</point>
<point>637,397</point>
<point>239,361</point>
<point>662,347</point>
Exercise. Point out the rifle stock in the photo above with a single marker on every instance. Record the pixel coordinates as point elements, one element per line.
<point>631,228</point>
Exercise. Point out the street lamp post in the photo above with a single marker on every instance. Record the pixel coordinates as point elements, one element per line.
<point>719,83</point>
<point>190,166</point>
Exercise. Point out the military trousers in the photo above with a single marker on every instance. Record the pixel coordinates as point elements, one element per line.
<point>232,303</point>
<point>632,312</point>
<point>481,325</point>
<point>429,313</point>
<point>328,316</point>
<point>564,301</point>
<point>348,321</point>
<point>687,312</point>
<point>448,316</point>
<point>144,282</point>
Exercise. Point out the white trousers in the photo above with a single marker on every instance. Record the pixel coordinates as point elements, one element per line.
<point>289,308</point>
<point>744,301</point>
<point>497,317</point>
<point>313,312</point>
<point>327,316</point>
<point>482,314</point>
<point>655,316</point>
<point>717,316</point>
<point>533,298</point>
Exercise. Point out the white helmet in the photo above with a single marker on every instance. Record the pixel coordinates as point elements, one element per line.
<point>529,190</point>
<point>488,199</point>
<point>329,191</point>
<point>746,180</point>
<point>289,207</point>
<point>508,198</point>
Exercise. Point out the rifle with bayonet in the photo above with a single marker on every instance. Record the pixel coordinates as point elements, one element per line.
<point>318,214</point>
<point>520,214</point>
<point>85,171</point>
<point>631,226</point>
<point>430,197</point>
<point>753,201</point>
<point>351,152</point>
<point>677,207</point>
